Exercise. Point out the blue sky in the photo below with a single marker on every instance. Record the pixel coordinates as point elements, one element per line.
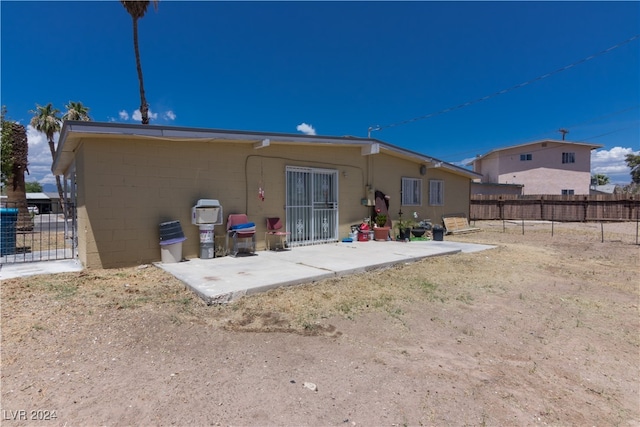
<point>339,68</point>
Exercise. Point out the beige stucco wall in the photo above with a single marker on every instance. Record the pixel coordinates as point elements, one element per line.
<point>387,174</point>
<point>550,181</point>
<point>127,187</point>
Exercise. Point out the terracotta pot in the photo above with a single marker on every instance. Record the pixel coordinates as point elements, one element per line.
<point>381,233</point>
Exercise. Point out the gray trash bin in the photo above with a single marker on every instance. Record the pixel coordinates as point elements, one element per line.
<point>171,238</point>
<point>206,241</point>
<point>438,233</point>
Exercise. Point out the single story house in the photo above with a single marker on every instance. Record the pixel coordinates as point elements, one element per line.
<point>46,203</point>
<point>127,179</point>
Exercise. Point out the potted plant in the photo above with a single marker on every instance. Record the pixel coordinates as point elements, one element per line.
<point>381,232</point>
<point>404,229</point>
<point>419,229</point>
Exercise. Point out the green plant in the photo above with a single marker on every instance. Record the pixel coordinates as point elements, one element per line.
<point>381,220</point>
<point>403,224</point>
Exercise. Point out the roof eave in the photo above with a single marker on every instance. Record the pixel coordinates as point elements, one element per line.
<point>73,132</point>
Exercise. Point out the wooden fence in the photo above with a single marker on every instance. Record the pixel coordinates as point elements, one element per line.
<point>608,207</point>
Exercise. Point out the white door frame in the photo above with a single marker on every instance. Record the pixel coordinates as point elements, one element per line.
<point>311,205</point>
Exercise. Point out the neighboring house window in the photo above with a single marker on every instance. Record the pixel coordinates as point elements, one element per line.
<point>526,157</point>
<point>411,192</point>
<point>436,192</point>
<point>568,157</point>
<point>567,192</point>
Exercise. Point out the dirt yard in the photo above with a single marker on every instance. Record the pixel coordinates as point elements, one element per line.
<point>541,330</point>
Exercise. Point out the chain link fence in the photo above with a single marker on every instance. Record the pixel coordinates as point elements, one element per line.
<point>627,232</point>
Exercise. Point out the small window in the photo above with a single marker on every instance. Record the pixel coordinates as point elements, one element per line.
<point>568,157</point>
<point>436,192</point>
<point>411,192</point>
<point>526,157</point>
<point>567,192</point>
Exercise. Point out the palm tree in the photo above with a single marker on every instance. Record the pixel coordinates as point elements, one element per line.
<point>137,9</point>
<point>47,120</point>
<point>633,162</point>
<point>600,179</point>
<point>76,111</point>
<point>16,148</point>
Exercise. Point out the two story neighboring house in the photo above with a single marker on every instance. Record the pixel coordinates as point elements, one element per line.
<point>541,167</point>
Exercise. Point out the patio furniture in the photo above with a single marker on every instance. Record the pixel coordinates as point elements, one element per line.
<point>241,234</point>
<point>274,228</point>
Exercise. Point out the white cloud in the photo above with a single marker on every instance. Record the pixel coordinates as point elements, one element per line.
<point>611,163</point>
<point>39,151</point>
<point>306,129</point>
<point>137,115</point>
<point>39,157</point>
<point>464,162</point>
<point>47,179</point>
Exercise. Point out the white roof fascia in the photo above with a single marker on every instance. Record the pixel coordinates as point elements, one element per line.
<point>37,196</point>
<point>80,129</point>
<point>431,160</point>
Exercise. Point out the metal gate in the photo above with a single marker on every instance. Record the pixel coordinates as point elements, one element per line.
<point>311,205</point>
<point>46,236</point>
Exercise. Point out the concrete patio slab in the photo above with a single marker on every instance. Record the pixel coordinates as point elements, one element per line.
<point>221,280</point>
<point>10,271</point>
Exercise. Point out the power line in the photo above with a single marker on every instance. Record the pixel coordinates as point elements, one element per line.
<point>503,91</point>
<point>546,134</point>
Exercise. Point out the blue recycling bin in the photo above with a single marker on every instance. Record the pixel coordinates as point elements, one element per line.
<point>8,222</point>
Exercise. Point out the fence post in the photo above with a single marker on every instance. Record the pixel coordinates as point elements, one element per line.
<point>637,222</point>
<point>585,208</point>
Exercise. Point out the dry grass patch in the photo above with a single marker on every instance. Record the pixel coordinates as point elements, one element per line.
<point>539,330</point>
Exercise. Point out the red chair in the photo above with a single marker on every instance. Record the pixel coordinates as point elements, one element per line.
<point>242,234</point>
<point>274,228</point>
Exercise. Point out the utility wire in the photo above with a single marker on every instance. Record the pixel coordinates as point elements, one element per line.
<point>547,133</point>
<point>503,91</point>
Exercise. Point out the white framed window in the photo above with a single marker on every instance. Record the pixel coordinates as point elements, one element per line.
<point>568,192</point>
<point>411,192</point>
<point>568,157</point>
<point>526,157</point>
<point>436,192</point>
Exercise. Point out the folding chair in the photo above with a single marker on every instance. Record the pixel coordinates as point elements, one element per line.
<point>242,234</point>
<point>274,228</point>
